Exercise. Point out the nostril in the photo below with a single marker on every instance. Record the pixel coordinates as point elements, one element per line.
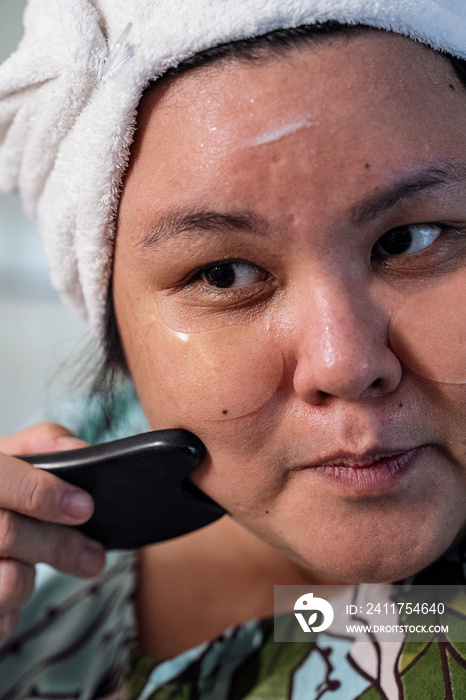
<point>317,384</point>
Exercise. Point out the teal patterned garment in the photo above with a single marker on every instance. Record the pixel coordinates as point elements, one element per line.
<point>247,664</point>
<point>77,640</point>
<point>74,636</point>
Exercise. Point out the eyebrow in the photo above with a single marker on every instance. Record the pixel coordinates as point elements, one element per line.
<point>173,223</point>
<point>181,221</point>
<point>433,175</point>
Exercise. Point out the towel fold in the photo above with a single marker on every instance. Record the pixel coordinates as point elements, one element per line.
<point>69,95</point>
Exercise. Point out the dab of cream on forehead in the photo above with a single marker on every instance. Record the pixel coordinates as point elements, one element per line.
<point>280,131</point>
<point>275,131</point>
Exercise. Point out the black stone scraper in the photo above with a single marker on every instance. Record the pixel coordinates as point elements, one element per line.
<point>140,486</point>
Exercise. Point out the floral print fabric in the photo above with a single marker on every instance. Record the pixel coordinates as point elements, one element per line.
<point>247,664</point>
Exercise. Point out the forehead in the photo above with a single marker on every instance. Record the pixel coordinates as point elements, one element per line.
<point>241,93</point>
<point>315,112</point>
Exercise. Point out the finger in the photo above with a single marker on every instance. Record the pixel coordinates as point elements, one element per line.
<point>40,494</point>
<point>41,437</point>
<point>16,584</point>
<point>7,624</point>
<point>31,541</point>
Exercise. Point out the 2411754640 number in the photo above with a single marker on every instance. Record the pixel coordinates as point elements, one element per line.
<point>407,608</point>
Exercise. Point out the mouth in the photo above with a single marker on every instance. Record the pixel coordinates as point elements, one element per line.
<point>372,473</point>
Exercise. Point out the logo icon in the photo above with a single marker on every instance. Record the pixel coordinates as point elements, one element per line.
<point>312,605</point>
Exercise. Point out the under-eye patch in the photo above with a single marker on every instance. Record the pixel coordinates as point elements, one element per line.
<point>428,333</point>
<point>220,373</point>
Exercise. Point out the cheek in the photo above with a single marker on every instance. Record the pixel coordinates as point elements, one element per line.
<point>448,403</point>
<point>429,332</point>
<point>223,385</point>
<point>429,335</point>
<point>206,377</point>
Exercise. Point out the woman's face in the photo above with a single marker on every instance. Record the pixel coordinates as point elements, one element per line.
<point>254,285</point>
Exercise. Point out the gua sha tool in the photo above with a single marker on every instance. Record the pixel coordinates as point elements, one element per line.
<point>428,333</point>
<point>219,374</point>
<point>140,487</point>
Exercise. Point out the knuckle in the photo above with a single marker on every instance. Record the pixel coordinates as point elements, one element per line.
<point>12,584</point>
<point>49,428</point>
<point>45,429</point>
<point>40,437</point>
<point>9,526</point>
<point>37,494</point>
<point>50,432</point>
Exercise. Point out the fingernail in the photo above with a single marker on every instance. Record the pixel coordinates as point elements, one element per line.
<point>77,504</point>
<point>92,560</point>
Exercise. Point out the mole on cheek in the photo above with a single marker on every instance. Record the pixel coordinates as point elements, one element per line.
<point>428,333</point>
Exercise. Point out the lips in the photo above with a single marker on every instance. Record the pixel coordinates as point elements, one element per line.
<point>373,472</point>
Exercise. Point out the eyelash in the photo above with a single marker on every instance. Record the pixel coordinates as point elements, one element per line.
<point>380,258</point>
<point>430,258</point>
<point>390,238</point>
<point>197,274</point>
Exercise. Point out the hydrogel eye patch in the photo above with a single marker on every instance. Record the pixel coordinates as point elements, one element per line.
<point>221,373</point>
<point>428,333</point>
<point>209,310</point>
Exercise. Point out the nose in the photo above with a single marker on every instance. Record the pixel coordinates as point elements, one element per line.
<point>341,346</point>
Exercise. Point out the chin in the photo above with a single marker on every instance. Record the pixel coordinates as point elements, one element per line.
<point>365,552</point>
<point>372,561</point>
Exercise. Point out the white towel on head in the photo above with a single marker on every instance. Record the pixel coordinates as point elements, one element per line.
<point>68,99</point>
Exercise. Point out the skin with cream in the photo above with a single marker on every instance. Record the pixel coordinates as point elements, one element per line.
<point>353,466</point>
<point>280,131</point>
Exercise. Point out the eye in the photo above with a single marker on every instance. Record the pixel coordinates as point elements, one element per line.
<point>406,240</point>
<point>230,274</point>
